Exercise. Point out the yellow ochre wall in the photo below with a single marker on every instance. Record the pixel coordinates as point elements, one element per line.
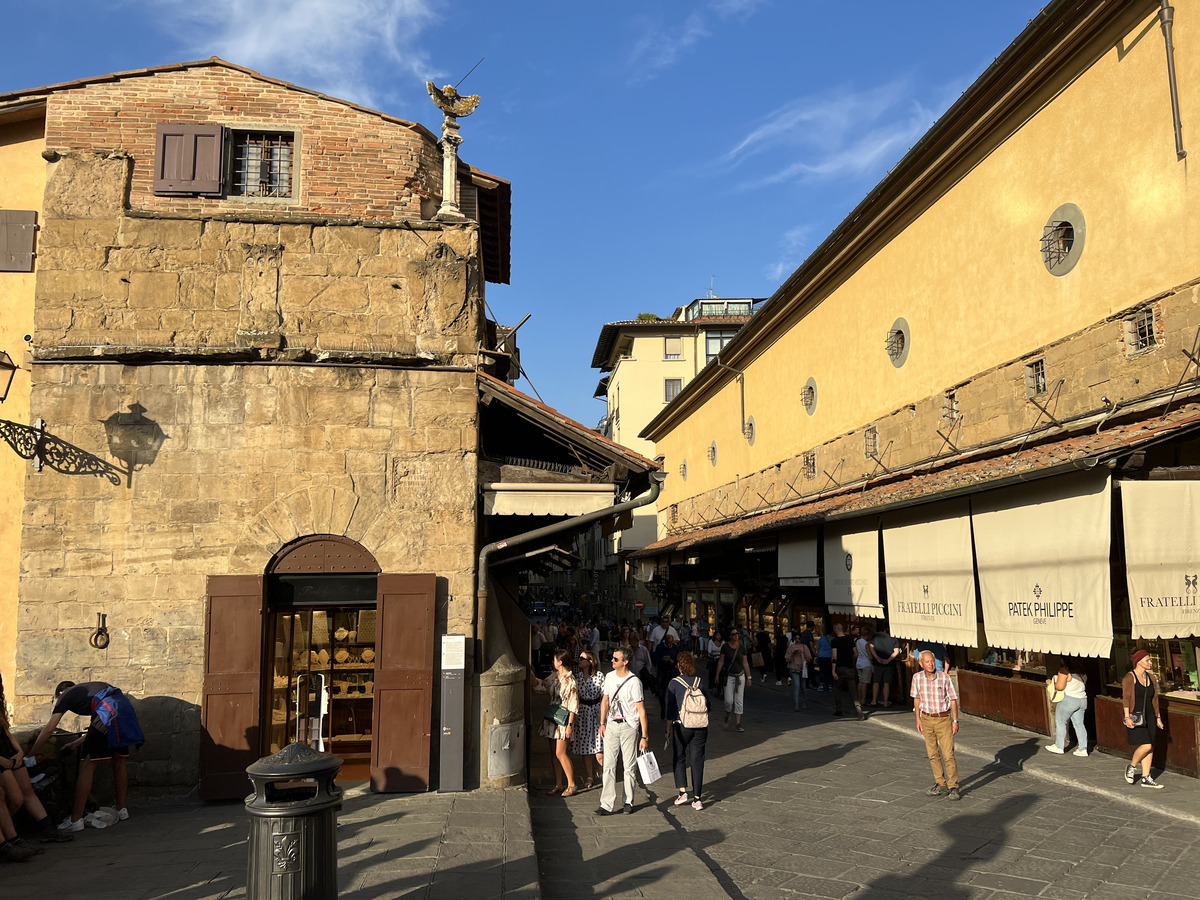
<point>968,275</point>
<point>637,384</point>
<point>22,179</point>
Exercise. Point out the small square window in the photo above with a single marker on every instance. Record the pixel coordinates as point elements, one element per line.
<point>262,164</point>
<point>1140,332</point>
<point>1035,378</point>
<point>672,387</point>
<point>673,348</point>
<point>871,442</point>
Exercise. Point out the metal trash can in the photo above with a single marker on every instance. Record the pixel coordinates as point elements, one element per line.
<point>293,825</point>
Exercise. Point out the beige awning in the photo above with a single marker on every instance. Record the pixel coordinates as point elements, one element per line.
<point>522,499</point>
<point>798,559</point>
<point>1042,551</point>
<point>852,572</point>
<point>1162,557</point>
<point>929,565</point>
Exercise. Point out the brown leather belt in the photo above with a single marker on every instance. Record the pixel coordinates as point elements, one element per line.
<point>941,715</point>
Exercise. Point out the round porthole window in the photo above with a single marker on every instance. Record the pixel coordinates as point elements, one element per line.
<point>808,396</point>
<point>712,453</point>
<point>1062,239</point>
<point>898,343</point>
<point>750,431</point>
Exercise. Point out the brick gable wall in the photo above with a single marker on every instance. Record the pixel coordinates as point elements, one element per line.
<point>351,163</point>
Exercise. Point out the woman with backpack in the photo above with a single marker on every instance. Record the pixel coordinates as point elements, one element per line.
<point>687,728</point>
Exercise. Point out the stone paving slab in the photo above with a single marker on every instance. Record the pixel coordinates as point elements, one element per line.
<point>389,846</point>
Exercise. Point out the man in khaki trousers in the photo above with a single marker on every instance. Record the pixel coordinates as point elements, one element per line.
<point>935,703</point>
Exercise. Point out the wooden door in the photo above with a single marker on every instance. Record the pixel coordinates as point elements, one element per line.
<point>403,708</point>
<point>229,714</point>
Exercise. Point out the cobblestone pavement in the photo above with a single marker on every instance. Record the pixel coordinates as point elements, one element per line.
<point>806,805</point>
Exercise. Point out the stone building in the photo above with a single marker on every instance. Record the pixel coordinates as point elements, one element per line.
<point>977,402</point>
<point>261,358</point>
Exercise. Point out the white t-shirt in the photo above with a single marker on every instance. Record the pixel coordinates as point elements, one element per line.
<point>863,661</point>
<point>656,635</point>
<point>1076,688</point>
<point>624,707</point>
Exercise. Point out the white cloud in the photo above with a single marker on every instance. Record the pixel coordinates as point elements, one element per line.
<point>336,48</point>
<point>660,48</point>
<point>843,135</point>
<point>792,247</point>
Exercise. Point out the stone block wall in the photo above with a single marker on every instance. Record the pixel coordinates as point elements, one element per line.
<point>352,162</point>
<point>107,278</point>
<point>255,456</point>
<point>1081,369</point>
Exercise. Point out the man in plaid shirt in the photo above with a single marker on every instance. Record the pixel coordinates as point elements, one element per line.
<point>936,705</point>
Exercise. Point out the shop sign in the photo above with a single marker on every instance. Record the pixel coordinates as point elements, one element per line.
<point>930,574</point>
<point>852,572</point>
<point>1162,557</point>
<point>1043,556</point>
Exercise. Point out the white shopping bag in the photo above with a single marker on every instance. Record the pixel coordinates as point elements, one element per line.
<point>648,767</point>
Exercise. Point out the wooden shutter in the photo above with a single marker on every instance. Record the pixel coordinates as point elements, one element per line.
<point>17,230</point>
<point>229,713</point>
<point>188,158</point>
<point>403,709</point>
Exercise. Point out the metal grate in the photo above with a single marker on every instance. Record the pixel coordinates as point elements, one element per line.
<point>1035,378</point>
<point>950,412</point>
<point>262,164</point>
<point>1057,240</point>
<point>810,464</point>
<point>871,442</point>
<point>895,344</point>
<point>1140,330</point>
<point>809,397</point>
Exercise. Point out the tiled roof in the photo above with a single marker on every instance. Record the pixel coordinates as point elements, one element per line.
<point>954,476</point>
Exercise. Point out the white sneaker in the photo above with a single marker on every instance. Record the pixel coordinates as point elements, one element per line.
<point>1130,774</point>
<point>1054,748</point>
<point>122,814</point>
<point>778,682</point>
<point>67,825</point>
<point>696,804</point>
<point>1081,752</point>
<point>1148,782</point>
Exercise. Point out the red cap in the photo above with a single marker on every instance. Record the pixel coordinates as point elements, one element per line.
<point>1139,656</point>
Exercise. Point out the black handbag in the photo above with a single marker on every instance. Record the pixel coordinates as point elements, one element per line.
<point>558,714</point>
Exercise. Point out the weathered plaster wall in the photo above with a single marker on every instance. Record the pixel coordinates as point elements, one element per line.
<point>254,456</point>
<point>22,177</point>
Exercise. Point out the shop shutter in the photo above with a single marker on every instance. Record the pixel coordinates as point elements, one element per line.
<point>403,711</point>
<point>17,230</point>
<point>229,713</point>
<point>188,159</point>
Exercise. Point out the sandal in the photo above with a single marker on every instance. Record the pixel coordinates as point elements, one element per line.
<point>570,792</point>
<point>553,791</point>
<point>588,784</point>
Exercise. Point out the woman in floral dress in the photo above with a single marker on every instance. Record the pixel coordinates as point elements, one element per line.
<point>561,685</point>
<point>585,736</point>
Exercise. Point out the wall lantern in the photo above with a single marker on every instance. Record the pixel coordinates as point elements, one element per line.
<point>7,370</point>
<point>133,439</point>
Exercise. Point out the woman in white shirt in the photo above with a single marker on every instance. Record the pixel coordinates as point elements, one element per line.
<point>1070,708</point>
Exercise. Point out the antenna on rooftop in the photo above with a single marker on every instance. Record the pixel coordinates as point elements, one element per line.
<point>712,295</point>
<point>469,71</point>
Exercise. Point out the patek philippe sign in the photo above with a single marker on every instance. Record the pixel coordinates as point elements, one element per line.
<point>1162,557</point>
<point>1043,556</point>
<point>852,572</point>
<point>930,577</point>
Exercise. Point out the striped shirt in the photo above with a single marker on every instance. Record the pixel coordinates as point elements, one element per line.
<point>934,695</point>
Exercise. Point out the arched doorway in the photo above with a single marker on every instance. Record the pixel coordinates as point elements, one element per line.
<point>323,648</point>
<point>322,626</point>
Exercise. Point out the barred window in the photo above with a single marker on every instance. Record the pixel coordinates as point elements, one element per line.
<point>1140,331</point>
<point>871,442</point>
<point>1035,378</point>
<point>262,164</point>
<point>810,464</point>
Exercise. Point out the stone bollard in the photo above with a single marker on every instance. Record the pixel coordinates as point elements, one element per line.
<point>293,825</point>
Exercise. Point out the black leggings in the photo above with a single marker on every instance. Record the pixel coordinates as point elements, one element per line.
<point>688,744</point>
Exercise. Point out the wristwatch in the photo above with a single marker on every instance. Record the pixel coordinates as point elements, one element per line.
<point>954,721</point>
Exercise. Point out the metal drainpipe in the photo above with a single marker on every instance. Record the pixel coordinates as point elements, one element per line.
<point>1166,18</point>
<point>656,482</point>
<point>501,693</point>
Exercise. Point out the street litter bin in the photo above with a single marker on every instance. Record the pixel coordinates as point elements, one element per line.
<point>293,825</point>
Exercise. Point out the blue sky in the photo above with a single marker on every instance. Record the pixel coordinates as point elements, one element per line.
<point>656,149</point>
